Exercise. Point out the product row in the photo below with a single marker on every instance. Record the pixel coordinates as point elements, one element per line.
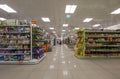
<point>14,29</point>
<point>12,22</point>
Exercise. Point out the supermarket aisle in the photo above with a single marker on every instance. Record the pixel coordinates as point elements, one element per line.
<point>61,64</point>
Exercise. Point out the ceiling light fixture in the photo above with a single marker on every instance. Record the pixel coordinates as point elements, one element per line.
<point>7,8</point>
<point>45,19</point>
<point>70,9</point>
<point>63,30</point>
<point>2,19</point>
<point>51,28</point>
<point>54,31</point>
<point>76,28</point>
<point>65,25</point>
<point>88,19</point>
<point>96,25</point>
<point>116,11</point>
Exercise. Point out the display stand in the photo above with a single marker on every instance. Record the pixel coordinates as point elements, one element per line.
<point>16,44</point>
<point>80,45</point>
<point>38,42</point>
<point>99,44</point>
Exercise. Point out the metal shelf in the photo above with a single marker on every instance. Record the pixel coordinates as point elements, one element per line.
<point>103,46</point>
<point>14,32</point>
<point>38,34</point>
<point>15,38</point>
<point>13,49</point>
<point>103,50</point>
<point>103,41</point>
<point>110,32</point>
<point>39,40</point>
<point>15,44</point>
<point>102,36</point>
<point>14,25</point>
<point>14,53</point>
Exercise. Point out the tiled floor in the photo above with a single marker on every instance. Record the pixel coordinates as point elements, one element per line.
<point>61,64</point>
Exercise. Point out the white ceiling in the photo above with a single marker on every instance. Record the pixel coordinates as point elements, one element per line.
<point>54,9</point>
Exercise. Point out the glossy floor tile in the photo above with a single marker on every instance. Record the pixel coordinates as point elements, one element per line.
<point>61,64</point>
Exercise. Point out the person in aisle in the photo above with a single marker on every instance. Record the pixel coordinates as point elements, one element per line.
<point>60,42</point>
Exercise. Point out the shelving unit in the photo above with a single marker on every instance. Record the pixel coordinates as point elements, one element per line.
<point>18,44</point>
<point>15,43</point>
<point>99,43</point>
<point>102,43</point>
<point>38,42</point>
<point>80,45</point>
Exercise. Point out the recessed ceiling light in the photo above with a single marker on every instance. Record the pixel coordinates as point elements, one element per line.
<point>116,11</point>
<point>54,31</point>
<point>70,9</point>
<point>96,25</point>
<point>65,25</point>
<point>76,28</point>
<point>63,30</point>
<point>6,8</point>
<point>88,19</point>
<point>45,19</point>
<point>51,28</point>
<point>2,19</point>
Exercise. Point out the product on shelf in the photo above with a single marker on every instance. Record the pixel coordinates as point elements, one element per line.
<point>38,42</point>
<point>14,40</point>
<point>102,43</point>
<point>80,45</point>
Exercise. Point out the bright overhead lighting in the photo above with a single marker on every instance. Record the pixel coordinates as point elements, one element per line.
<point>96,25</point>
<point>6,8</point>
<point>63,30</point>
<point>116,11</point>
<point>2,19</point>
<point>88,19</point>
<point>76,28</point>
<point>45,19</point>
<point>65,25</point>
<point>54,31</point>
<point>70,9</point>
<point>51,28</point>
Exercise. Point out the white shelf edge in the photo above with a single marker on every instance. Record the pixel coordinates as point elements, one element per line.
<point>30,62</point>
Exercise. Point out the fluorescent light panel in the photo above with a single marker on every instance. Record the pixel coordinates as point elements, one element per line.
<point>65,25</point>
<point>116,11</point>
<point>54,31</point>
<point>7,8</point>
<point>51,28</point>
<point>76,28</point>
<point>45,19</point>
<point>63,30</point>
<point>88,19</point>
<point>70,9</point>
<point>96,25</point>
<point>2,19</point>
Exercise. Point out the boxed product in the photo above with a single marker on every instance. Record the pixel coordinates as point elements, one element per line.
<point>23,22</point>
<point>11,22</point>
